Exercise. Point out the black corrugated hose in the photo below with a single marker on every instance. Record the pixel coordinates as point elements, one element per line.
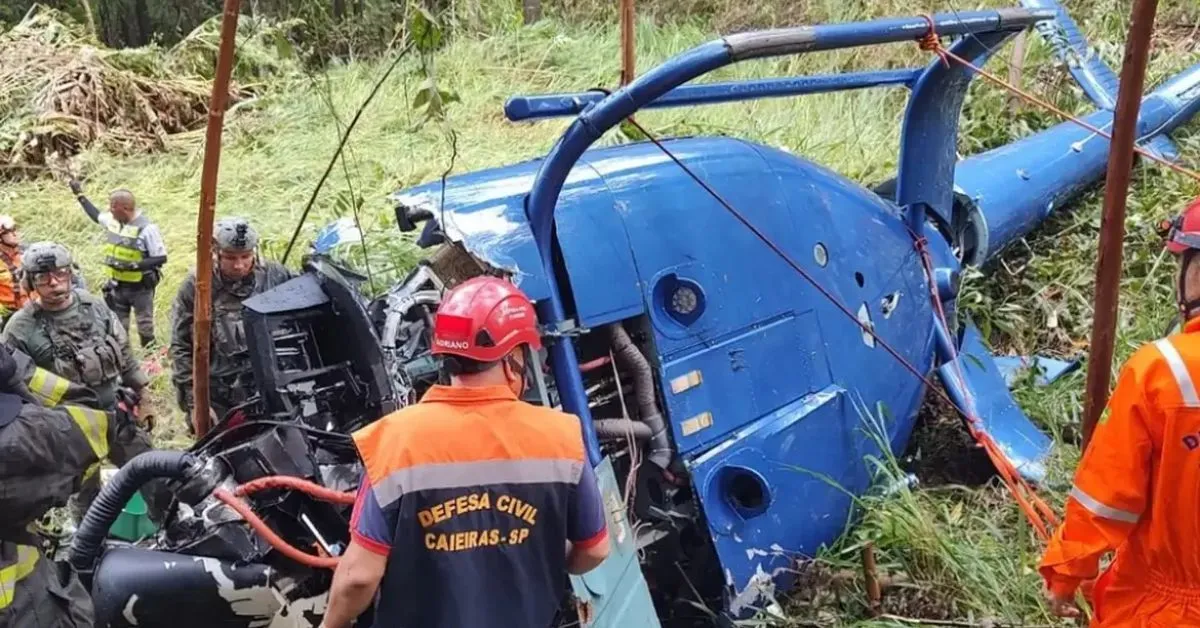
<point>151,465</point>
<point>630,357</point>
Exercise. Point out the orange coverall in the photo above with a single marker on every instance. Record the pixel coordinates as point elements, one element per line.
<point>1137,492</point>
<point>11,296</point>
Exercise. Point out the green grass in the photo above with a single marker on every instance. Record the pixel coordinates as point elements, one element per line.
<point>955,551</point>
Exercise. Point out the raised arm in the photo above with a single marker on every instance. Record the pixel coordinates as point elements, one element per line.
<point>88,208</point>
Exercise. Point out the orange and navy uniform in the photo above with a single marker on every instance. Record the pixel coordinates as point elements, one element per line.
<point>1137,492</point>
<point>473,495</point>
<point>11,295</point>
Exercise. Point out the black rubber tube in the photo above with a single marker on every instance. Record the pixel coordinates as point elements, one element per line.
<point>611,429</point>
<point>630,357</point>
<point>151,465</point>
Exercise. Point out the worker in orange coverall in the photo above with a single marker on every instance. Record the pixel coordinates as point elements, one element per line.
<point>1137,489</point>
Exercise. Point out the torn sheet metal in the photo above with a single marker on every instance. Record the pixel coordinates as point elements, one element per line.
<point>777,490</point>
<point>981,388</point>
<point>614,592</point>
<point>485,212</point>
<point>1048,370</point>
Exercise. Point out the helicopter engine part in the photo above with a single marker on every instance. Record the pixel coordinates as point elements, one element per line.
<point>85,546</point>
<point>139,587</point>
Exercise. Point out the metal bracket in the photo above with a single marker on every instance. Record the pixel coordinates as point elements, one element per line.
<point>567,328</point>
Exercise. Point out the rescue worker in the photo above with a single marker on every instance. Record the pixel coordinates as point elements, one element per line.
<point>238,273</point>
<point>474,505</point>
<point>134,254</point>
<point>11,295</point>
<point>73,336</point>
<point>45,453</point>
<point>1136,486</point>
<point>68,331</point>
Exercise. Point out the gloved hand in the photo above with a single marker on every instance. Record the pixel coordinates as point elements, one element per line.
<point>183,397</point>
<point>129,401</point>
<point>76,187</point>
<point>1061,606</point>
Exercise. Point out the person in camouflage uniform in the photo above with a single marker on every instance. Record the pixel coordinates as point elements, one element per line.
<point>72,335</point>
<point>238,273</point>
<point>44,455</point>
<point>68,331</point>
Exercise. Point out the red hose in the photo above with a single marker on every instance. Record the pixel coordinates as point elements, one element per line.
<point>299,484</point>
<point>304,558</point>
<point>587,367</point>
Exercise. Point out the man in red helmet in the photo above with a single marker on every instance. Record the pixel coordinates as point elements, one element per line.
<point>474,505</point>
<point>1137,488</point>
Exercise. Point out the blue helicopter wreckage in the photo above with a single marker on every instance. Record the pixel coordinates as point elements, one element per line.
<point>717,313</point>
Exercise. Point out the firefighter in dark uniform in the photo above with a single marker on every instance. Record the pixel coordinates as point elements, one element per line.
<point>475,505</point>
<point>134,253</point>
<point>238,273</point>
<point>44,452</point>
<point>71,335</point>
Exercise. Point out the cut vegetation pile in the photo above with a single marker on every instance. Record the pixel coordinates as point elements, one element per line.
<point>61,93</point>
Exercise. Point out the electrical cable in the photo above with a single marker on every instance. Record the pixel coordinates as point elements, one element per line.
<point>341,144</point>
<point>327,98</point>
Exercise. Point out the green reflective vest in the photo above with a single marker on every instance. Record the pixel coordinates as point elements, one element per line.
<point>122,246</point>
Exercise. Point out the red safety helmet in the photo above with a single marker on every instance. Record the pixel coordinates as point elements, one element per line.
<point>483,319</point>
<point>1183,232</point>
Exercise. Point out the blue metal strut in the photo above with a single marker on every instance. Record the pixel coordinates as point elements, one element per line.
<point>609,112</point>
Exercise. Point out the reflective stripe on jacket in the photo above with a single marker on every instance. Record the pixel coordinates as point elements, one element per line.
<point>43,451</point>
<point>51,389</point>
<point>1137,491</point>
<point>14,569</point>
<point>34,593</point>
<point>94,425</point>
<point>122,246</point>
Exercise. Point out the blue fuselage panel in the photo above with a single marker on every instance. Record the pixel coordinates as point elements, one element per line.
<point>763,374</point>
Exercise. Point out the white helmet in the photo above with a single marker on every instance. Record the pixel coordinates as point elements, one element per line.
<point>7,223</point>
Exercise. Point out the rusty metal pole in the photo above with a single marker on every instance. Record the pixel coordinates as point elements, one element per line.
<point>871,577</point>
<point>202,329</point>
<point>1112,225</point>
<point>627,47</point>
<point>1016,68</point>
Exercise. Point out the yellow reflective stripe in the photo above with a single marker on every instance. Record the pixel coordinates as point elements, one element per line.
<point>87,475</point>
<point>49,387</point>
<point>27,558</point>
<point>94,425</point>
<point>124,254</point>
<point>128,276</point>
